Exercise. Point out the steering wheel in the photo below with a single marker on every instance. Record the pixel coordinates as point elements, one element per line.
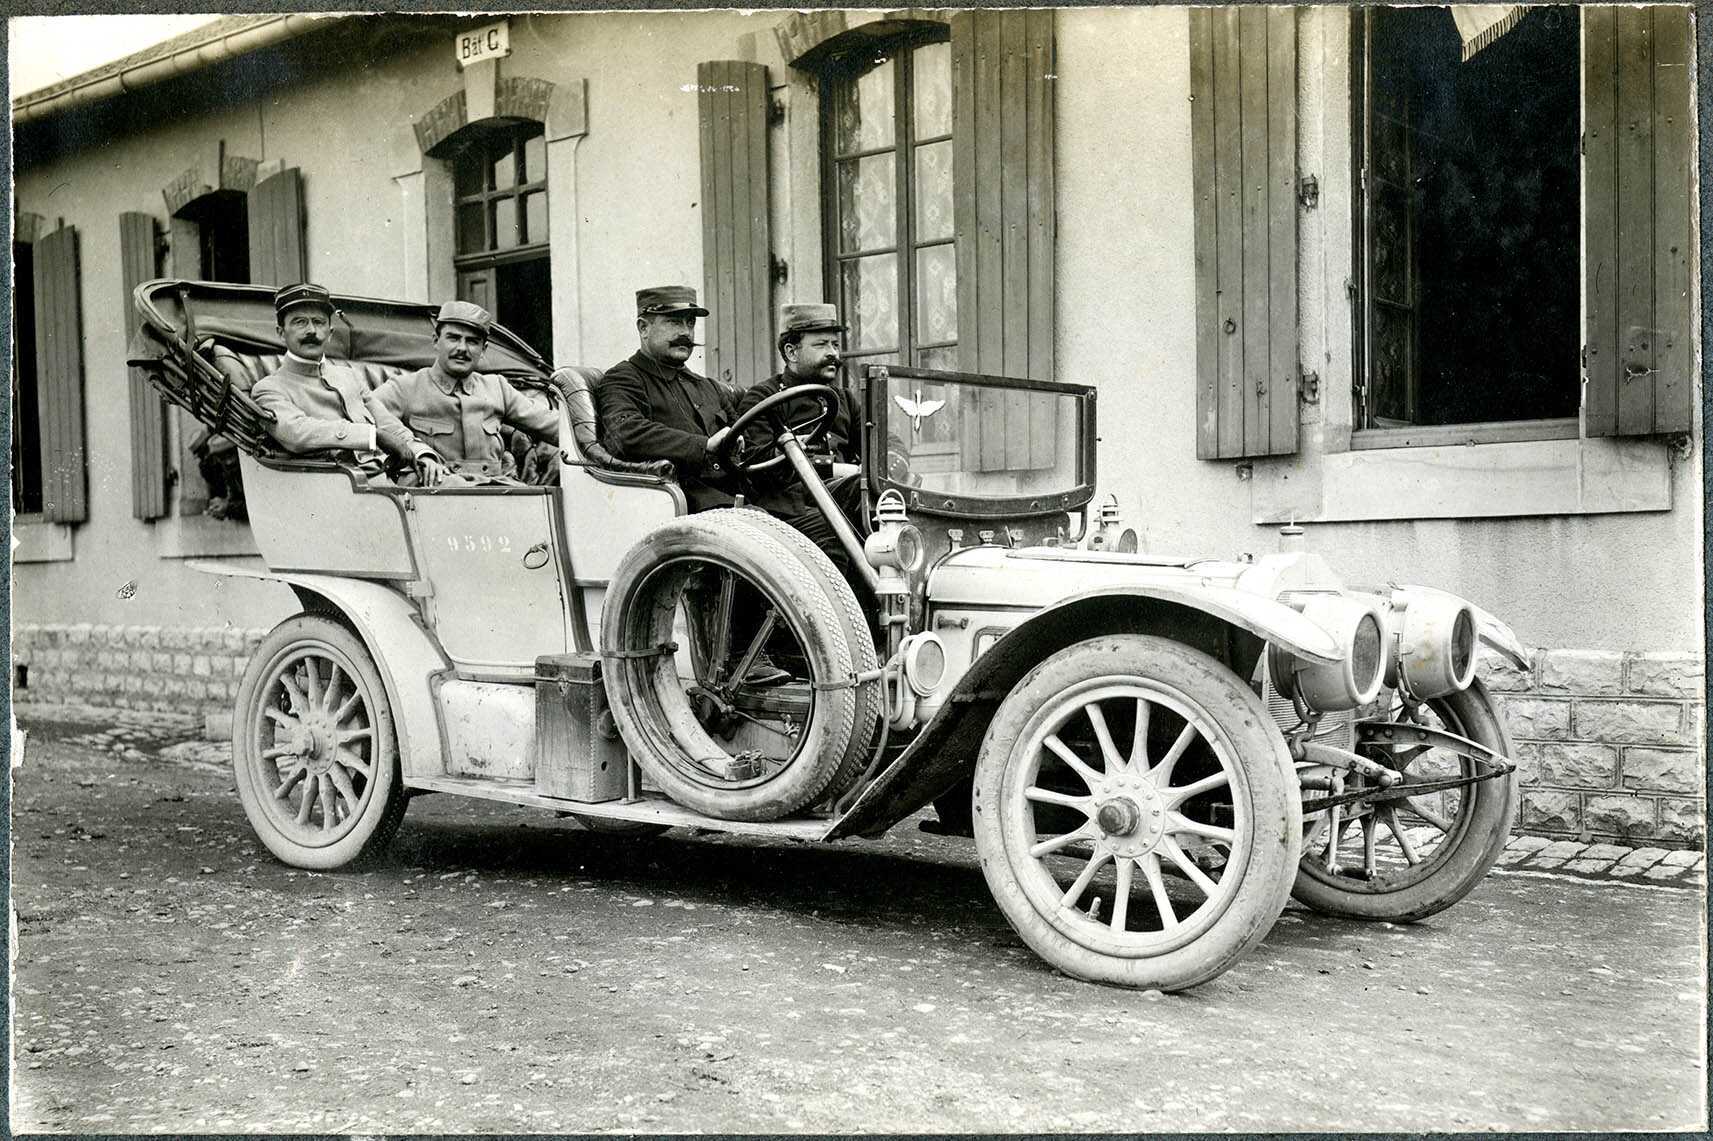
<point>769,456</point>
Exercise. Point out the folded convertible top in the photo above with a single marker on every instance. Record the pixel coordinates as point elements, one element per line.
<point>396,333</point>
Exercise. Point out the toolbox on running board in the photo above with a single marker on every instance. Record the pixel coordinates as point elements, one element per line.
<point>578,753</point>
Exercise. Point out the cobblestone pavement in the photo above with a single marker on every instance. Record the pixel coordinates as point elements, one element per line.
<point>1605,861</point>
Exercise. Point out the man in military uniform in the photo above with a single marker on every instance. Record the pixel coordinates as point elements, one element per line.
<point>653,408</point>
<point>317,404</point>
<point>809,340</point>
<point>458,412</point>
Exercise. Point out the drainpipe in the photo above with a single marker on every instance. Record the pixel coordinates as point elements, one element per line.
<point>192,58</point>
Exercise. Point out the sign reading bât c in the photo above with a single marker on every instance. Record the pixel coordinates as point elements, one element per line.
<point>489,42</point>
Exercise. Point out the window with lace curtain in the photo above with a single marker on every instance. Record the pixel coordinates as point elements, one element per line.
<point>891,254</point>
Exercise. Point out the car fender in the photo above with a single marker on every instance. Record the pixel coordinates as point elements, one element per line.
<point>1488,628</point>
<point>405,655</point>
<point>1266,618</point>
<point>946,748</point>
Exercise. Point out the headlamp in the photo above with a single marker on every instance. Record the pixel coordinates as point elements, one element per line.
<point>1359,626</point>
<point>1436,639</point>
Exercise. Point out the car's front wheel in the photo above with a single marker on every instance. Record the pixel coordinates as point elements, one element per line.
<point>1136,813</point>
<point>1405,858</point>
<point>313,752</point>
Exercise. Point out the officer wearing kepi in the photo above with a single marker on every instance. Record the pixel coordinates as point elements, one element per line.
<point>653,408</point>
<point>459,412</point>
<point>316,404</point>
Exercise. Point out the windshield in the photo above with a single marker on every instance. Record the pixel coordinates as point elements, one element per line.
<point>981,445</point>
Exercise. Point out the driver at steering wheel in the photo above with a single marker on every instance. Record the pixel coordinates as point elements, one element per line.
<point>651,407</point>
<point>809,344</point>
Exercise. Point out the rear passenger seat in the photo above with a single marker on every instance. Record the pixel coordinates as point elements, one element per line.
<point>245,369</point>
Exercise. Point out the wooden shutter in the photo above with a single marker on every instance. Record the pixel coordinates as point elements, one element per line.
<point>1637,178</point>
<point>277,255</point>
<point>1002,140</point>
<point>732,105</point>
<point>59,373</point>
<point>184,246</point>
<point>137,264</point>
<point>1243,132</point>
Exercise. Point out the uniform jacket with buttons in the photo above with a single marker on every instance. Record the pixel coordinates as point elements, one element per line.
<point>460,420</point>
<point>317,405</point>
<point>653,411</point>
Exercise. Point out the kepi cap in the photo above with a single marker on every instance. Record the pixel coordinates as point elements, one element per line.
<point>465,313</point>
<point>665,300</point>
<point>814,317</point>
<point>303,293</point>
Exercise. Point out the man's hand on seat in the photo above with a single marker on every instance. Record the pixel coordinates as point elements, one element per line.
<point>431,470</point>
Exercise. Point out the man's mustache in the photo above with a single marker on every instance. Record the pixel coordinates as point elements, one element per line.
<point>685,343</point>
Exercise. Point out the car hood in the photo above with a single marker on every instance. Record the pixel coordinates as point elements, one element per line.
<point>1040,576</point>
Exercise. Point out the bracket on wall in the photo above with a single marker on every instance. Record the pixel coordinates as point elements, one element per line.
<point>1308,386</point>
<point>1308,191</point>
<point>1682,445</point>
<point>777,269</point>
<point>775,112</point>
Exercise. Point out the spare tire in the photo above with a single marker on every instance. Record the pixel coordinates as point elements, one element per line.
<point>871,696</point>
<point>653,705</point>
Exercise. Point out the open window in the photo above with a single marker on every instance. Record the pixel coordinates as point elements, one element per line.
<point>1468,247</point>
<point>1522,232</point>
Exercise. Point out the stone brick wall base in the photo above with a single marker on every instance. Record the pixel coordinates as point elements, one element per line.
<point>1609,743</point>
<point>167,668</point>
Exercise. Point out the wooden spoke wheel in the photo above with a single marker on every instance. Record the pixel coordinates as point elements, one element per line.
<point>313,752</point>
<point>1405,859</point>
<point>1135,813</point>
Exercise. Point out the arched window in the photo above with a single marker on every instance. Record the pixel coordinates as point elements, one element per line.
<point>499,179</point>
<point>891,253</point>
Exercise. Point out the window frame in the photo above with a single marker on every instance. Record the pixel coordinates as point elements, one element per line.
<point>1365,434</point>
<point>521,132</point>
<point>846,67</point>
<point>1371,476</point>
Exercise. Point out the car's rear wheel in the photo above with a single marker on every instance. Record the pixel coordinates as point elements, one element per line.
<point>1119,763</point>
<point>1405,859</point>
<point>313,752</point>
<point>707,736</point>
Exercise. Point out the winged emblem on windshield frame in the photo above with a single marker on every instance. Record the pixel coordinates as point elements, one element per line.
<point>918,409</point>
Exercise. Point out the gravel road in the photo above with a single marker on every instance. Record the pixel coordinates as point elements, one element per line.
<point>501,970</point>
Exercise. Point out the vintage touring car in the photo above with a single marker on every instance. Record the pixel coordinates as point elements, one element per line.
<point>1151,753</point>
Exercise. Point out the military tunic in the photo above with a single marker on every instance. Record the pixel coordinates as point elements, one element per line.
<point>460,420</point>
<point>652,411</point>
<point>318,405</point>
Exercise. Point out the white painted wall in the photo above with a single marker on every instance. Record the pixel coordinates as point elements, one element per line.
<point>1125,281</point>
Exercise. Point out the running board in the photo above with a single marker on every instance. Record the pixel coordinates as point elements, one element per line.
<point>649,810</point>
